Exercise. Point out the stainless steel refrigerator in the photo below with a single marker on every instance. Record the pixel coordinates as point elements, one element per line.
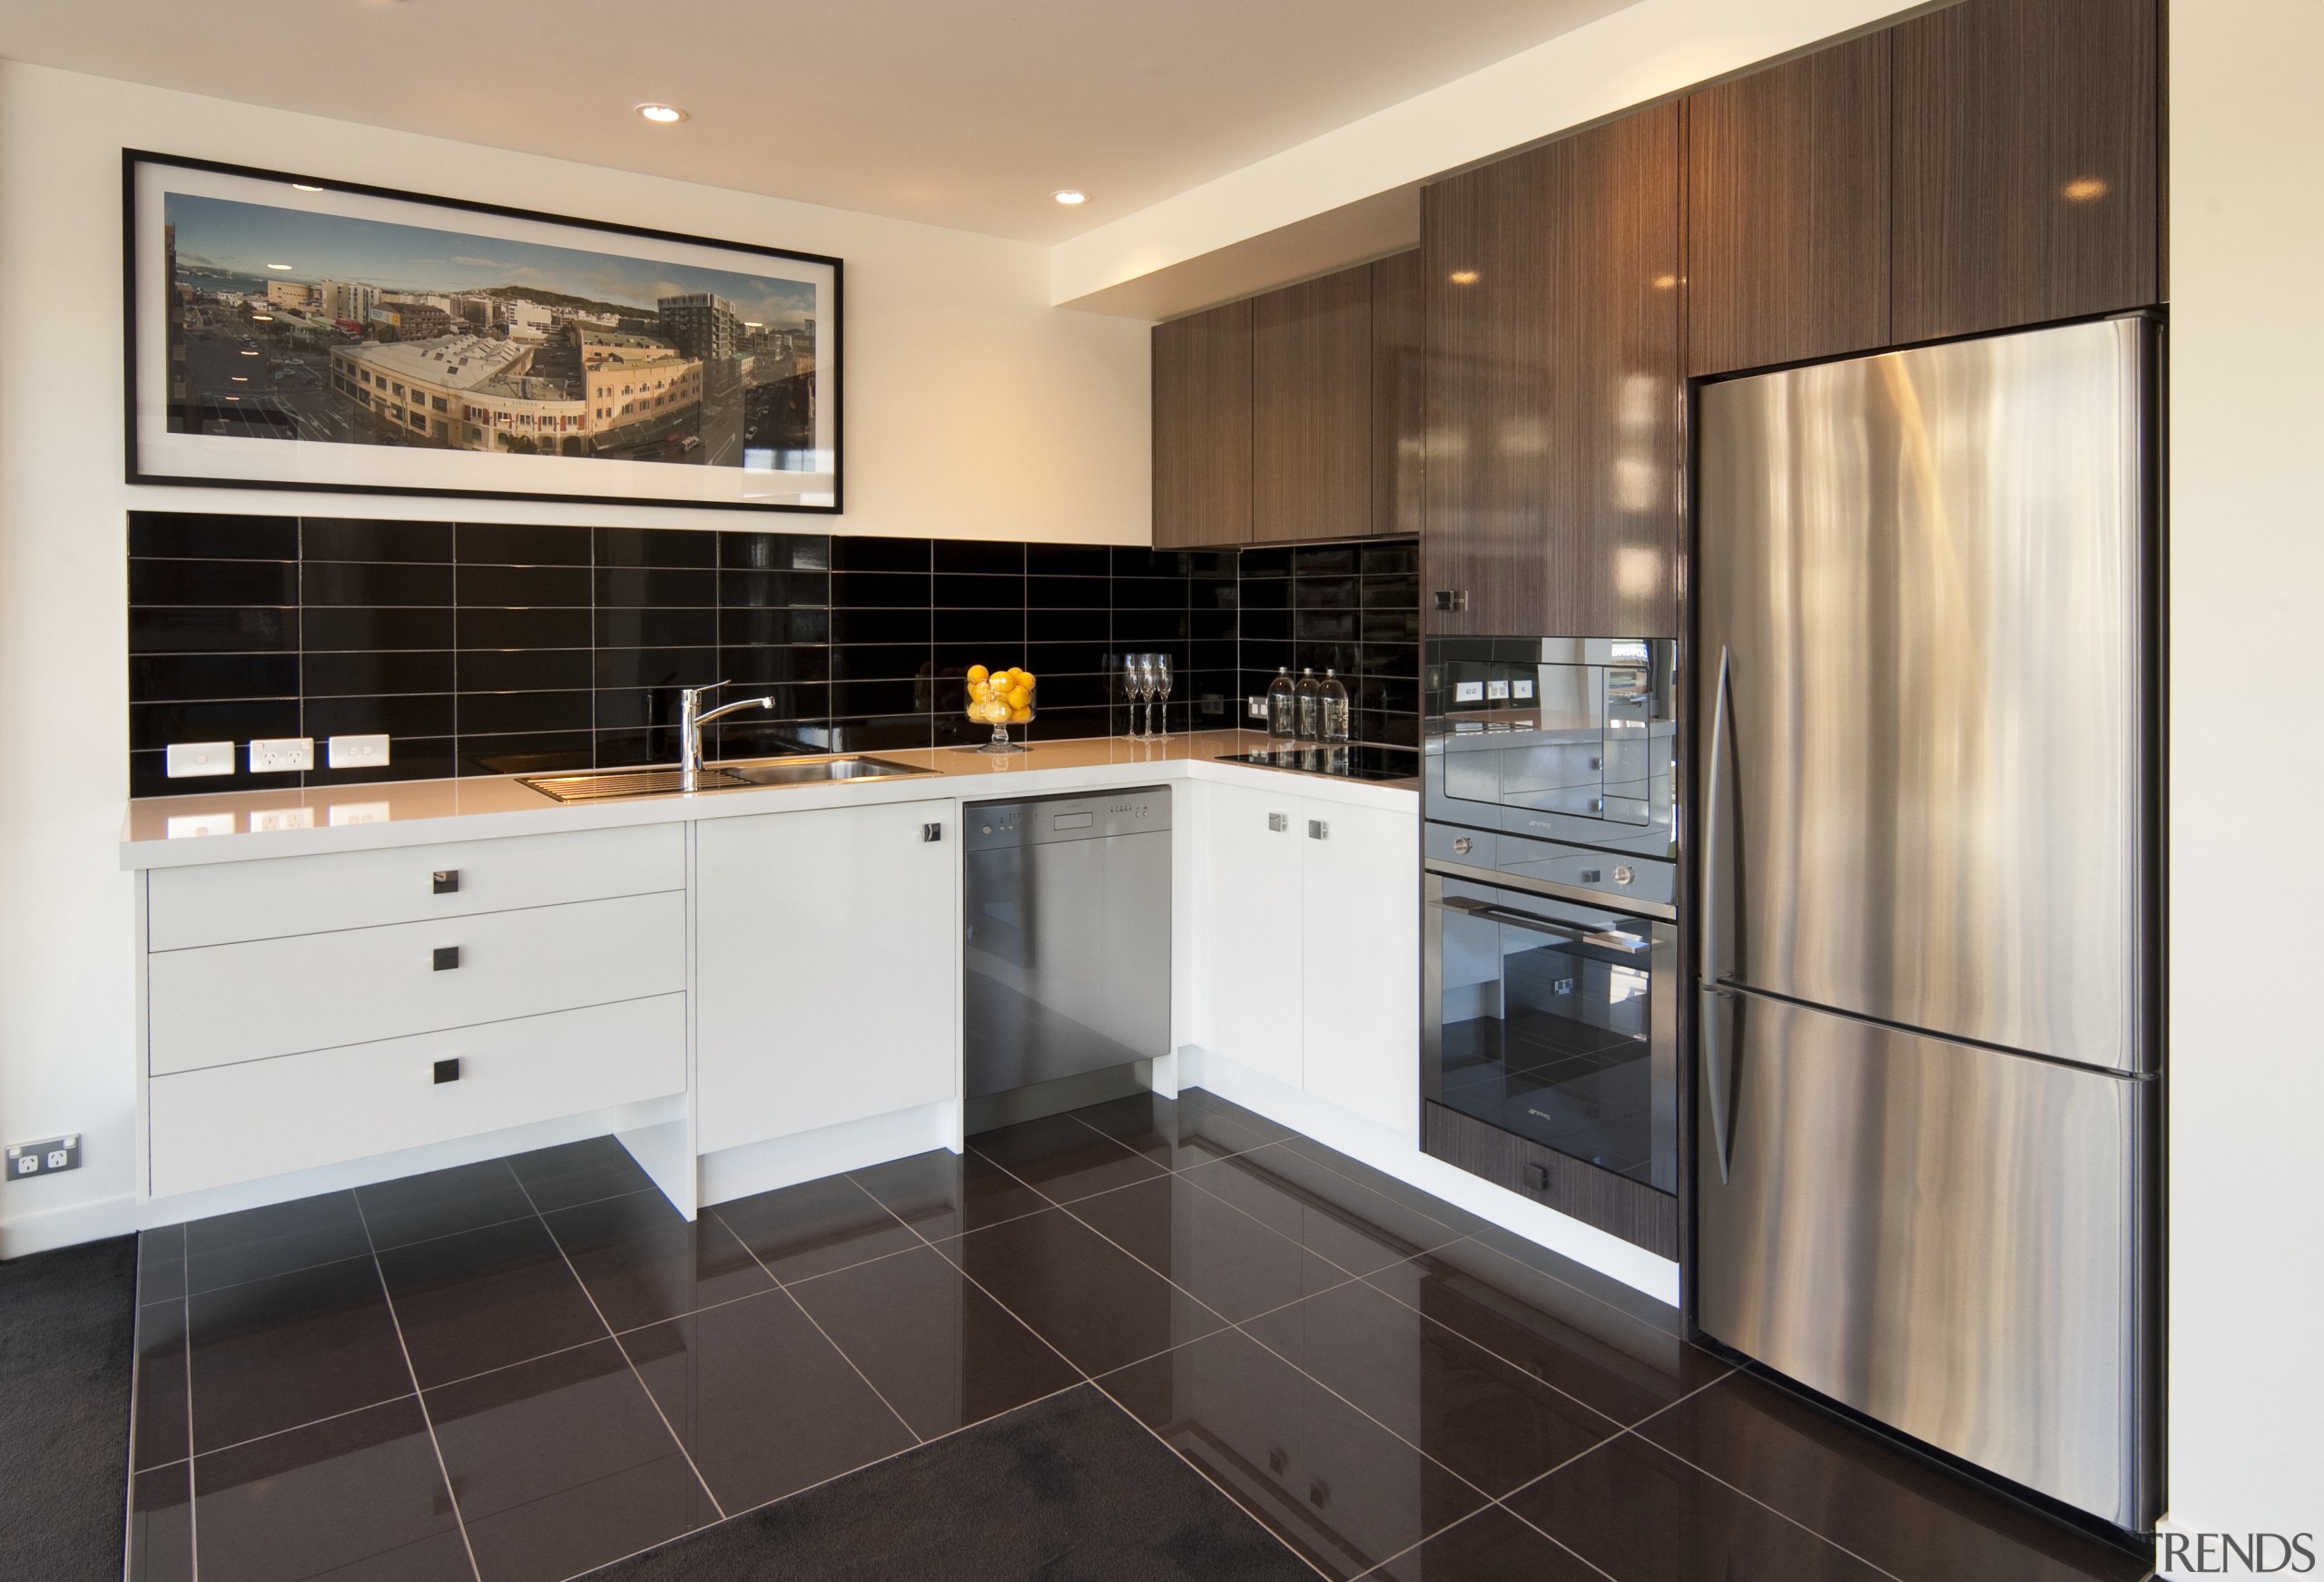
<point>1927,1074</point>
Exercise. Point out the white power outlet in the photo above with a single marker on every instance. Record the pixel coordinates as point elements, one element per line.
<point>264,820</point>
<point>282,754</point>
<point>192,758</point>
<point>357,752</point>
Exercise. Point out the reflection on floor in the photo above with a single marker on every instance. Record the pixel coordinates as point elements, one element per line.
<point>532,1368</point>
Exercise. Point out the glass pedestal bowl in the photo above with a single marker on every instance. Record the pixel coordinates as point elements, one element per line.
<point>1000,698</point>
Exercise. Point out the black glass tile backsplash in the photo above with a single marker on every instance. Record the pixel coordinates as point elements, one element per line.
<point>488,648</point>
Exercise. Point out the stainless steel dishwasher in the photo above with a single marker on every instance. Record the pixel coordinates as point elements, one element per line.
<point>1068,966</point>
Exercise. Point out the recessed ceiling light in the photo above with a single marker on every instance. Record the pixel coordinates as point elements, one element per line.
<point>263,317</point>
<point>1068,197</point>
<point>247,352</point>
<point>278,266</point>
<point>305,187</point>
<point>662,115</point>
<point>241,379</point>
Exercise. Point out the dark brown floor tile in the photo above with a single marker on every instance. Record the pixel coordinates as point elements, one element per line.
<point>1325,1212</point>
<point>1619,1365</point>
<point>1492,1546</point>
<point>562,1464</point>
<point>270,1354</point>
<point>765,1404</point>
<point>940,1193</point>
<point>1901,1514</point>
<point>1176,1133</point>
<point>485,1299</point>
<point>1388,1186</point>
<point>1062,1158</point>
<point>1494,1426</point>
<point>442,1203</point>
<point>643,1263</point>
<point>161,1263</point>
<point>813,1228</point>
<point>1643,1515</point>
<point>1088,1298</point>
<point>575,1172</point>
<point>1662,1315</point>
<point>1340,1490</point>
<point>1206,1246</point>
<point>1227,1113</point>
<point>359,1497</point>
<point>162,1433</point>
<point>159,1541</point>
<point>943,1354</point>
<point>254,1244</point>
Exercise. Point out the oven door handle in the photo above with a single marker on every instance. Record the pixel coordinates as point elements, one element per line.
<point>1629,943</point>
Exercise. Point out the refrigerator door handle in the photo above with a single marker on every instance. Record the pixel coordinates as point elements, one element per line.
<point>1711,1001</point>
<point>1719,1073</point>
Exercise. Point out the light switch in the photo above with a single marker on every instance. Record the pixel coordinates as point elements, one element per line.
<point>192,758</point>
<point>357,752</point>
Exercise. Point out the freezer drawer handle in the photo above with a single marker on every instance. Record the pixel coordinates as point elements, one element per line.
<point>1718,1074</point>
<point>1629,943</point>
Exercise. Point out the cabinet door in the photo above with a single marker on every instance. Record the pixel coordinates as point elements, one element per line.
<point>1399,394</point>
<point>1553,474</point>
<point>1310,410</point>
<point>1788,211</point>
<point>2026,160</point>
<point>827,950</point>
<point>1202,429</point>
<point>1249,925</point>
<point>1361,961</point>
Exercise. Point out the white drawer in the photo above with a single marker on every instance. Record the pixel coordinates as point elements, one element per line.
<point>217,903</point>
<point>267,1117</point>
<point>262,997</point>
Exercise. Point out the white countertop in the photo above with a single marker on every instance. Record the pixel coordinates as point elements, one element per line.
<point>177,831</point>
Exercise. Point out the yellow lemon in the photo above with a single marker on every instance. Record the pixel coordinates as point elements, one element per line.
<point>1018,716</point>
<point>977,674</point>
<point>1019,697</point>
<point>1026,678</point>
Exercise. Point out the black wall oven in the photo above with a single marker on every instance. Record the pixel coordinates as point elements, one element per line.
<point>1549,1038</point>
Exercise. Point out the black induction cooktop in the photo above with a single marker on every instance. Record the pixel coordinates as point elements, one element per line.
<point>1342,760</point>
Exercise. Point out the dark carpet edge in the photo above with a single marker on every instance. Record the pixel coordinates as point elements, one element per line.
<point>67,1342</point>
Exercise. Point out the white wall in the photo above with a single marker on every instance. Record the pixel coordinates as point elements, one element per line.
<point>974,409</point>
<point>2247,773</point>
<point>1643,52</point>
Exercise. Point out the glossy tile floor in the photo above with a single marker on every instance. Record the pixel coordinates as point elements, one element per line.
<point>530,1368</point>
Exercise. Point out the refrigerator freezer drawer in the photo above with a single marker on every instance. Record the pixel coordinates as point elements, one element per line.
<point>1943,1237</point>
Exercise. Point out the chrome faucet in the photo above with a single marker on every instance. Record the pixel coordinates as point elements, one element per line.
<point>692,719</point>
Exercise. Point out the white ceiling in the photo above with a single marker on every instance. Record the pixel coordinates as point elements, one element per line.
<point>959,113</point>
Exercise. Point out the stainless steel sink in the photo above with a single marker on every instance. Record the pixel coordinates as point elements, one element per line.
<point>647,783</point>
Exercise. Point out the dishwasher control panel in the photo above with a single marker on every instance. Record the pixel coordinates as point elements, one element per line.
<point>1079,816</point>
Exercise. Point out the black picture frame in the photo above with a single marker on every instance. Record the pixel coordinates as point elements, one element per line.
<point>143,281</point>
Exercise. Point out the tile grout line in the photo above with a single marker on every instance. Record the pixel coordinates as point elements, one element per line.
<point>800,1308</point>
<point>192,1485</point>
<point>699,1481</point>
<point>443,1469</point>
<point>1381,1568</point>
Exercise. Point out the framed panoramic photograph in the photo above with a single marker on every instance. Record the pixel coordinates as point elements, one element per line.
<point>290,331</point>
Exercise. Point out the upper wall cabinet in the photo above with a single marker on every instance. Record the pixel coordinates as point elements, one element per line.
<point>2027,158</point>
<point>1310,410</point>
<point>1294,415</point>
<point>1788,211</point>
<point>1202,429</point>
<point>1552,479</point>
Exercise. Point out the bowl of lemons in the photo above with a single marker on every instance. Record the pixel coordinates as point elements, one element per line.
<point>1000,698</point>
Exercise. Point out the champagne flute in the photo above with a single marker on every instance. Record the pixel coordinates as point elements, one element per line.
<point>1130,690</point>
<point>1147,683</point>
<point>1162,688</point>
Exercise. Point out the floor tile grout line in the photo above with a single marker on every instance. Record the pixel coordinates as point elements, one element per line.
<point>800,1308</point>
<point>1191,1464</point>
<point>623,1351</point>
<point>1337,1215</point>
<point>428,1419</point>
<point>1380,1568</point>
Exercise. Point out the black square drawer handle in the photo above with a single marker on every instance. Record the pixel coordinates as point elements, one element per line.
<point>447,956</point>
<point>446,881</point>
<point>929,832</point>
<point>448,1071</point>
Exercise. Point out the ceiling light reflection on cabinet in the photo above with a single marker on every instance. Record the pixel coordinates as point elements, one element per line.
<point>2084,190</point>
<point>1462,276</point>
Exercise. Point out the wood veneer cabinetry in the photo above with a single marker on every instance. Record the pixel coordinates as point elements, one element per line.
<point>1310,410</point>
<point>1553,491</point>
<point>2027,159</point>
<point>1202,429</point>
<point>1399,394</point>
<point>1788,211</point>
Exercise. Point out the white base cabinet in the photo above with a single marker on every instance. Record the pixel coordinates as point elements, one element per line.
<point>826,969</point>
<point>1308,929</point>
